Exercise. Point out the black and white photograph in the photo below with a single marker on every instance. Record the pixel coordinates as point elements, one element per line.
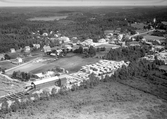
<point>83,59</point>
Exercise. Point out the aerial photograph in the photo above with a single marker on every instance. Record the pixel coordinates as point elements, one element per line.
<point>83,59</point>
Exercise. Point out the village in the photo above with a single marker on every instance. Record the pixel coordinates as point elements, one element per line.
<point>38,62</point>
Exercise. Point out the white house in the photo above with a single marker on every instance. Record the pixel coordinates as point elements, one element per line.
<point>20,60</point>
<point>46,49</point>
<point>120,36</point>
<point>64,39</point>
<point>102,40</point>
<point>12,50</point>
<point>27,49</point>
<point>2,57</point>
<point>37,46</point>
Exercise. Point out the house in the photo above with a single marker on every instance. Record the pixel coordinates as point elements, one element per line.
<point>133,43</point>
<point>113,40</point>
<point>107,32</point>
<point>75,47</point>
<point>67,47</point>
<point>27,49</point>
<point>59,51</point>
<point>12,50</point>
<point>19,59</point>
<point>87,42</point>
<point>46,49</point>
<point>2,57</point>
<point>37,46</point>
<point>74,39</point>
<point>120,36</point>
<point>102,40</point>
<point>64,39</point>
<point>53,54</point>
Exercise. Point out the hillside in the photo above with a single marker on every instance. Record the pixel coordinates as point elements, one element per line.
<point>108,100</point>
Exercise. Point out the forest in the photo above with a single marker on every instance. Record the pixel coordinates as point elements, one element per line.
<point>16,30</point>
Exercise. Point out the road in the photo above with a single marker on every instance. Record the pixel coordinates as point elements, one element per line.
<point>141,33</point>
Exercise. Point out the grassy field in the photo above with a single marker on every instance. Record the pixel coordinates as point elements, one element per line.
<point>49,18</point>
<point>7,64</point>
<point>150,37</point>
<point>138,25</point>
<point>72,63</point>
<point>27,67</point>
<point>110,100</point>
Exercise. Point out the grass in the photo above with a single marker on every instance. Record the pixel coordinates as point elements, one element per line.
<point>150,37</point>
<point>72,63</point>
<point>49,18</point>
<point>7,64</point>
<point>138,25</point>
<point>109,100</point>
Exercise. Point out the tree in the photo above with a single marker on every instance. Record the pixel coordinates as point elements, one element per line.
<point>80,50</point>
<point>92,51</point>
<point>7,57</point>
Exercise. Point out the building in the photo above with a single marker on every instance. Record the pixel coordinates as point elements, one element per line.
<point>133,43</point>
<point>87,42</point>
<point>46,49</point>
<point>67,47</point>
<point>37,46</point>
<point>20,60</point>
<point>12,50</point>
<point>102,40</point>
<point>109,32</point>
<point>64,39</point>
<point>74,39</point>
<point>27,49</point>
<point>62,82</point>
<point>2,57</point>
<point>120,36</point>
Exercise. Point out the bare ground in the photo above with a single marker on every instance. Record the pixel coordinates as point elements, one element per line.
<point>109,100</point>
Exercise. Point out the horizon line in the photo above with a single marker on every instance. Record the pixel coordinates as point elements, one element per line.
<point>90,6</point>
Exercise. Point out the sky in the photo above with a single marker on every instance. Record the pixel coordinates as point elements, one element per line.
<point>4,3</point>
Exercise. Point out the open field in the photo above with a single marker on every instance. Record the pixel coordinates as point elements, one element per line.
<point>29,66</point>
<point>7,64</point>
<point>49,18</point>
<point>138,25</point>
<point>110,100</point>
<point>150,37</point>
<point>71,63</point>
